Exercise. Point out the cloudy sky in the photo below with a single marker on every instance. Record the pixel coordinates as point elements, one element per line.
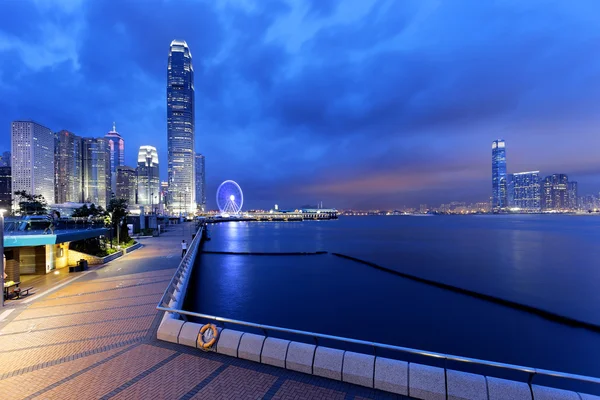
<point>356,103</point>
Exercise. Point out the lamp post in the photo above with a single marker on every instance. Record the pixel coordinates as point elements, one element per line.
<point>2,253</point>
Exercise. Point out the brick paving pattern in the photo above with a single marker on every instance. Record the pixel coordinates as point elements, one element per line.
<point>95,338</point>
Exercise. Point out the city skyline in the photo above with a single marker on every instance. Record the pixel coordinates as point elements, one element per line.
<point>303,103</point>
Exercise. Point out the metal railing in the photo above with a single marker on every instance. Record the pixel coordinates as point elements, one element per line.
<point>182,273</point>
<point>428,354</point>
<point>446,357</point>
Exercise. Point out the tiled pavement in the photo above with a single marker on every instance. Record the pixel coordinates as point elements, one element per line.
<point>95,338</point>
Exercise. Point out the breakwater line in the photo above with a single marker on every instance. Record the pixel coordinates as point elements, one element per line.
<point>493,299</point>
<point>254,253</point>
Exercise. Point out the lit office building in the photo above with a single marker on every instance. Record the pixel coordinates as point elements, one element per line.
<point>180,128</point>
<point>5,188</point>
<point>200,183</point>
<point>96,171</point>
<point>116,146</point>
<point>32,149</point>
<point>68,158</point>
<point>573,196</point>
<point>499,178</point>
<point>526,190</point>
<point>126,184</point>
<point>555,194</point>
<point>147,176</point>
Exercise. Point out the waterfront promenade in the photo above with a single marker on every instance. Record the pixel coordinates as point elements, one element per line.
<point>95,338</point>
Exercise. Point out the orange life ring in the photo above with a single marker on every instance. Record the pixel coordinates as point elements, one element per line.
<point>215,332</point>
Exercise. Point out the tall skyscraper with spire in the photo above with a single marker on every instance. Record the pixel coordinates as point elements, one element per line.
<point>116,146</point>
<point>180,128</point>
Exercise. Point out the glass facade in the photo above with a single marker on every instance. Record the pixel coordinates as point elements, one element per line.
<point>69,187</point>
<point>180,128</point>
<point>32,149</point>
<point>5,187</point>
<point>148,176</point>
<point>499,178</point>
<point>573,196</point>
<point>96,171</point>
<point>555,193</point>
<point>200,183</point>
<point>126,184</point>
<point>116,145</point>
<point>526,190</point>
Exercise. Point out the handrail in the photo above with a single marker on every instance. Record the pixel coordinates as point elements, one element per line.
<point>446,357</point>
<point>189,255</point>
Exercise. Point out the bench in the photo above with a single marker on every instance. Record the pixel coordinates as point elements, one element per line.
<point>19,292</point>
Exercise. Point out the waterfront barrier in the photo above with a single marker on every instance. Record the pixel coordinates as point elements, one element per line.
<point>498,300</point>
<point>412,379</point>
<point>394,375</point>
<point>254,253</point>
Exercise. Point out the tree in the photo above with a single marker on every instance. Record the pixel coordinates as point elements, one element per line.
<point>92,210</point>
<point>31,204</point>
<point>118,210</point>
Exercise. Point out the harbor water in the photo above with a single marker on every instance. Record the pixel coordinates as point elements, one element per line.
<point>551,262</point>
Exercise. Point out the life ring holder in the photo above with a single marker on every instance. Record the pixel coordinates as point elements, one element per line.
<point>215,334</point>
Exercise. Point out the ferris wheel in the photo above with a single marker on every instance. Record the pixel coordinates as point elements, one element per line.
<point>230,198</point>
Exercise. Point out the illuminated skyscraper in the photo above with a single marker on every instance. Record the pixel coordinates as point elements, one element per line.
<point>573,196</point>
<point>126,184</point>
<point>180,128</point>
<point>526,190</point>
<point>200,183</point>
<point>96,171</point>
<point>147,176</point>
<point>69,174</point>
<point>32,149</point>
<point>116,145</point>
<point>555,194</point>
<point>499,181</point>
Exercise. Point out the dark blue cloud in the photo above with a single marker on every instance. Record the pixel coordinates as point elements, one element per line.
<point>359,103</point>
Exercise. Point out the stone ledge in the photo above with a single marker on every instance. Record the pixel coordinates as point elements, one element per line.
<point>391,375</point>
<point>547,393</point>
<point>300,357</point>
<point>251,346</point>
<point>189,334</point>
<point>169,330</point>
<point>426,383</point>
<point>274,352</point>
<point>358,369</point>
<point>328,363</point>
<point>229,341</point>
<point>500,389</point>
<point>465,386</point>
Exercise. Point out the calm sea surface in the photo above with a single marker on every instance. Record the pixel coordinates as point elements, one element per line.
<point>550,262</point>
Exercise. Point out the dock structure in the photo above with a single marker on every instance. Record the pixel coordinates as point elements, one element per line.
<point>305,214</point>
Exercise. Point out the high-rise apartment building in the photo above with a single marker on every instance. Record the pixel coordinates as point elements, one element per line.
<point>148,178</point>
<point>32,149</point>
<point>555,195</point>
<point>69,170</point>
<point>499,178</point>
<point>5,189</point>
<point>180,128</point>
<point>200,183</point>
<point>126,184</point>
<point>526,190</point>
<point>573,196</point>
<point>116,145</point>
<point>96,171</point>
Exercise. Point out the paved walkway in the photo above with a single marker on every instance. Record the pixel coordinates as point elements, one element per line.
<point>95,338</point>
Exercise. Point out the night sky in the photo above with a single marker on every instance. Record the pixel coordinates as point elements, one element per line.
<point>362,104</point>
